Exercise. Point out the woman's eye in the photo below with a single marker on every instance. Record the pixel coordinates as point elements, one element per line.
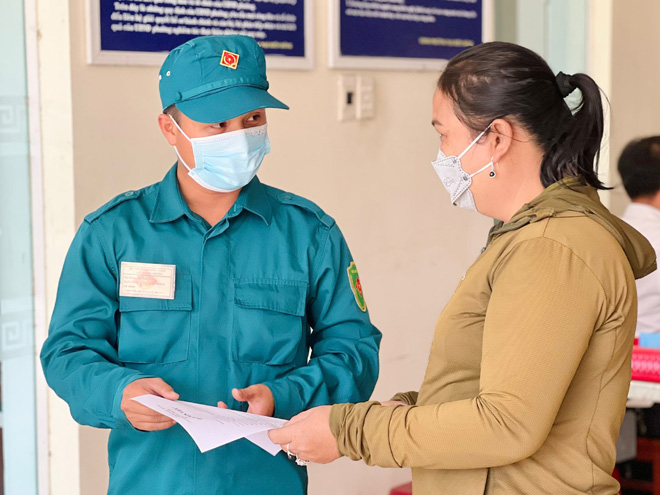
<point>220,125</point>
<point>254,118</point>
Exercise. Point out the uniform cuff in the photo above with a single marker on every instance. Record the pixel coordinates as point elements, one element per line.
<point>120,419</point>
<point>288,401</point>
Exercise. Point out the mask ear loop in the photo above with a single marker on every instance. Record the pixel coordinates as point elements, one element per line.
<point>475,141</point>
<point>174,146</point>
<point>492,173</point>
<point>178,127</point>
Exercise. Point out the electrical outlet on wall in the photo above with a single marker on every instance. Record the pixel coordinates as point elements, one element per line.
<point>347,102</point>
<point>356,98</point>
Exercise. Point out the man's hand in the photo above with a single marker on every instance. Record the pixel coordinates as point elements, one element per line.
<point>259,398</point>
<point>141,417</point>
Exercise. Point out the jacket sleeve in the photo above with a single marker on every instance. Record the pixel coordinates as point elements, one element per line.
<point>343,366</point>
<point>410,398</point>
<point>544,307</point>
<point>79,357</point>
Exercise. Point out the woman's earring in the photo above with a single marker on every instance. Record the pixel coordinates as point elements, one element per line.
<point>492,173</point>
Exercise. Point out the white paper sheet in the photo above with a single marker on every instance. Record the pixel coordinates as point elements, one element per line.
<point>212,427</point>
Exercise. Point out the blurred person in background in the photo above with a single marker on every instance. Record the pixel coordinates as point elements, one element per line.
<point>639,167</point>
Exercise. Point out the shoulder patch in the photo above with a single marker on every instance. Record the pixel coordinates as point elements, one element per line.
<point>127,196</point>
<point>306,204</point>
<point>356,286</point>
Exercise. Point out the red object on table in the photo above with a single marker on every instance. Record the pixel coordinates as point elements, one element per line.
<point>402,490</point>
<point>646,364</point>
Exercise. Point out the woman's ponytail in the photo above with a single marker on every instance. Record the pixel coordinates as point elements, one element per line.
<point>576,149</point>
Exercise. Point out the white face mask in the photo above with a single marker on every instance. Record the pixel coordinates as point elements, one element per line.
<point>456,180</point>
<point>227,162</point>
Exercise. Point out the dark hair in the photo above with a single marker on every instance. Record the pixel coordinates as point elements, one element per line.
<point>173,112</point>
<point>499,80</point>
<point>639,166</point>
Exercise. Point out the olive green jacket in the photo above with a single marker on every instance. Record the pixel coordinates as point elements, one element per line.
<point>529,370</point>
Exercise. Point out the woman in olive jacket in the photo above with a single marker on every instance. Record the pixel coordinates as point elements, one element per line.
<point>529,369</point>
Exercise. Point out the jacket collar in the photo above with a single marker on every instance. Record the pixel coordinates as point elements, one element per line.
<point>254,199</point>
<point>170,205</point>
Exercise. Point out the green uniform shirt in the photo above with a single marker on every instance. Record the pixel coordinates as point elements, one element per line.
<point>248,292</point>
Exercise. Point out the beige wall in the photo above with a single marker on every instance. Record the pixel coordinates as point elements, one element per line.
<point>373,177</point>
<point>635,96</point>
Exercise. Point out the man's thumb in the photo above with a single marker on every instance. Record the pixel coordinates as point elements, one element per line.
<point>243,394</point>
<point>159,387</point>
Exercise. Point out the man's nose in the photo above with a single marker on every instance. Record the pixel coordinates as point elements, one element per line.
<point>235,125</point>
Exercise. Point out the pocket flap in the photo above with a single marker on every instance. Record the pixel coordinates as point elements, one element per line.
<point>182,299</point>
<point>280,296</point>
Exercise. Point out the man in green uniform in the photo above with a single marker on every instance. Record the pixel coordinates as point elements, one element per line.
<point>211,287</point>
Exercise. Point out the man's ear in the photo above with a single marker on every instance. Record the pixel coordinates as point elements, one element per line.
<point>501,134</point>
<point>167,127</point>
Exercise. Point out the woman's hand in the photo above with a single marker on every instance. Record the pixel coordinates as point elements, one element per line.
<point>308,436</point>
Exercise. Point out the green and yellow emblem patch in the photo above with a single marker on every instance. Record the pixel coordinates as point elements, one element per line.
<point>356,286</point>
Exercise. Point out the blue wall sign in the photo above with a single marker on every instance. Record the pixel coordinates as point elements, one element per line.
<point>417,29</point>
<point>161,25</point>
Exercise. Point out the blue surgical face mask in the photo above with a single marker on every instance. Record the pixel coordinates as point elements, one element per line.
<point>456,180</point>
<point>227,162</point>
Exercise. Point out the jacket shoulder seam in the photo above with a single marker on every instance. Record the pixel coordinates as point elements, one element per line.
<point>289,199</point>
<point>564,246</point>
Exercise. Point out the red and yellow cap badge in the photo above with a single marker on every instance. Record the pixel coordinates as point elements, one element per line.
<point>229,59</point>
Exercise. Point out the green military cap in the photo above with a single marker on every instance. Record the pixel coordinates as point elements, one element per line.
<point>216,78</point>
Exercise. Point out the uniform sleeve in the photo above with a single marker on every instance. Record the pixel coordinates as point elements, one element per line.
<point>343,366</point>
<point>79,356</point>
<point>544,307</point>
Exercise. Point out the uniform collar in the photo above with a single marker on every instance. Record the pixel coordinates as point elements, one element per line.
<point>254,199</point>
<point>170,204</point>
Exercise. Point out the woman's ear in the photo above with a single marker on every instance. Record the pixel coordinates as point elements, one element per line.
<point>501,135</point>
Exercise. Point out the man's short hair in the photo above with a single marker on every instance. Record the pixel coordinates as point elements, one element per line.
<point>639,166</point>
<point>173,112</point>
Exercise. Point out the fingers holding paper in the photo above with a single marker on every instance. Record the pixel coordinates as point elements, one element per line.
<point>141,417</point>
<point>308,436</point>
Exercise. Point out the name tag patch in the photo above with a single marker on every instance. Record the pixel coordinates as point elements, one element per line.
<point>148,280</point>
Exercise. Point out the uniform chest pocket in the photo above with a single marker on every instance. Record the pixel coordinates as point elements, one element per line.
<point>156,330</point>
<point>269,321</point>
